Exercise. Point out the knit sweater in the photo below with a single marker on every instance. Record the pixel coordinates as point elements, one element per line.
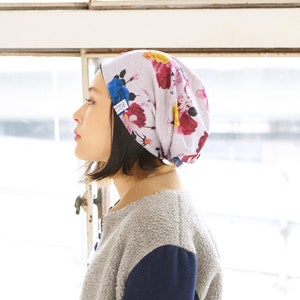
<point>156,248</point>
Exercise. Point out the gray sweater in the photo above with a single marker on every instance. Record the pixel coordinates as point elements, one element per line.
<point>155,248</point>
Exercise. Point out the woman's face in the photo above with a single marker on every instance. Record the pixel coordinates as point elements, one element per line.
<point>93,130</point>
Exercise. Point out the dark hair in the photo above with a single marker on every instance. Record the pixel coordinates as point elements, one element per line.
<point>125,153</point>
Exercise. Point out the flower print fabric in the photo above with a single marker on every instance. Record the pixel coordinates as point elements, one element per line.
<point>162,104</point>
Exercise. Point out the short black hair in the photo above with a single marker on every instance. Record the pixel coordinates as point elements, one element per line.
<point>125,154</point>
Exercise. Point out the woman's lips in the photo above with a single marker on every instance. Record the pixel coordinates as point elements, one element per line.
<point>77,136</point>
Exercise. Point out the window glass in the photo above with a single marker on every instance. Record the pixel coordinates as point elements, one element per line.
<point>245,183</point>
<point>43,252</point>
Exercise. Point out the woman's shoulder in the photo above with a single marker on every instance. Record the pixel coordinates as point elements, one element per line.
<point>159,221</point>
<point>166,217</point>
<point>165,206</point>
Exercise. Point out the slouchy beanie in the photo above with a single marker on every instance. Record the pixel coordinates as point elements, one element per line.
<point>161,102</point>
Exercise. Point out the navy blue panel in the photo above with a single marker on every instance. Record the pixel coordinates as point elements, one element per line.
<point>168,272</point>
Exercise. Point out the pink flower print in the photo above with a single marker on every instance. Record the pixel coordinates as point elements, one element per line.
<point>134,77</point>
<point>124,118</point>
<point>178,78</point>
<point>184,104</point>
<point>200,93</point>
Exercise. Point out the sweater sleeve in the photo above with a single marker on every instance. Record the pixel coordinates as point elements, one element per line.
<point>168,272</point>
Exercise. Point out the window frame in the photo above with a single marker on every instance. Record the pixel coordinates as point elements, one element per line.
<point>171,4</point>
<point>213,43</point>
<point>220,30</point>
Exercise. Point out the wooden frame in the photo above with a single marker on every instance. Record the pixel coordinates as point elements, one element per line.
<point>169,4</point>
<point>188,30</point>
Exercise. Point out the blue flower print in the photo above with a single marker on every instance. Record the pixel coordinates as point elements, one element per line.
<point>117,90</point>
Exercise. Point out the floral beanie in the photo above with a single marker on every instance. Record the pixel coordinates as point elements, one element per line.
<point>161,102</point>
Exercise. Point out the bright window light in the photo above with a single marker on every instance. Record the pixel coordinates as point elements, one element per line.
<point>42,240</point>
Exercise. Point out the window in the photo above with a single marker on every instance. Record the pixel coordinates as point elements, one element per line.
<point>249,172</point>
<point>41,237</point>
<point>249,165</point>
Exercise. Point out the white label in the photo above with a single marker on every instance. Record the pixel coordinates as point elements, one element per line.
<point>121,106</point>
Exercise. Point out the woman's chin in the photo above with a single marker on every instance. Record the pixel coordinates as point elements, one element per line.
<point>78,154</point>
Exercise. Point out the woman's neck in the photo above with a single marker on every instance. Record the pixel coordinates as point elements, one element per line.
<point>130,189</point>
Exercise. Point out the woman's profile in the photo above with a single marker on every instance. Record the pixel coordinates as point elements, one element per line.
<point>146,114</point>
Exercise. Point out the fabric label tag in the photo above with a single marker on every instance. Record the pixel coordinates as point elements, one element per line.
<point>121,106</point>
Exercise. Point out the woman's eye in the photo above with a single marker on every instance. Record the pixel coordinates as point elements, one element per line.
<point>90,101</point>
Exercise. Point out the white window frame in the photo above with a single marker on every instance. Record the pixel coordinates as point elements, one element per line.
<point>188,29</point>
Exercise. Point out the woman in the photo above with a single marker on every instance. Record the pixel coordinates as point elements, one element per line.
<point>146,114</point>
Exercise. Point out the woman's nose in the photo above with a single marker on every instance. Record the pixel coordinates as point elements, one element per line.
<point>76,115</point>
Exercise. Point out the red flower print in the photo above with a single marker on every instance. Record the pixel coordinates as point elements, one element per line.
<point>202,141</point>
<point>187,124</point>
<point>163,74</point>
<point>136,115</point>
<point>189,158</point>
